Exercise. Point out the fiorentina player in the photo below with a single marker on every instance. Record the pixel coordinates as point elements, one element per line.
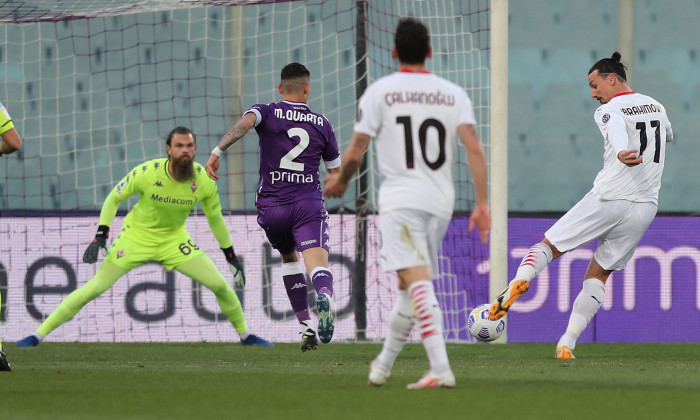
<point>154,230</point>
<point>10,141</point>
<point>619,208</point>
<point>415,118</point>
<point>291,210</point>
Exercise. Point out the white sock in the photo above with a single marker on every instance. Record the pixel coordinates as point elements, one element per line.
<point>305,325</point>
<point>39,336</point>
<point>585,307</point>
<point>534,262</point>
<point>428,319</point>
<point>242,335</point>
<point>400,326</point>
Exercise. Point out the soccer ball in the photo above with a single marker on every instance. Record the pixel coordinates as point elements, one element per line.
<point>481,327</point>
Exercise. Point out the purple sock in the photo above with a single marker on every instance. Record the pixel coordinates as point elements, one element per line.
<point>322,279</point>
<point>297,291</point>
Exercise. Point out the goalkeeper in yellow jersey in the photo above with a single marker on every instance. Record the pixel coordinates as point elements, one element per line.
<point>154,230</point>
<point>10,141</point>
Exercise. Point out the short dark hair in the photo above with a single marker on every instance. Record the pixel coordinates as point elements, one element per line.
<point>412,41</point>
<point>180,130</point>
<point>606,66</point>
<point>294,76</point>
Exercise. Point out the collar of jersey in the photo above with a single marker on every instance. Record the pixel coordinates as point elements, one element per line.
<point>296,103</point>
<point>624,93</point>
<point>414,71</point>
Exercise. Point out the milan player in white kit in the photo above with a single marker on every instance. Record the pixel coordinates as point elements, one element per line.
<point>415,117</point>
<point>619,208</point>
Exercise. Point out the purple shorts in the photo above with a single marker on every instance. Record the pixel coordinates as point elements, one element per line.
<point>300,225</point>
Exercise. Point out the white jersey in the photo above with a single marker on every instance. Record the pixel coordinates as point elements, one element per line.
<point>414,118</point>
<point>632,121</point>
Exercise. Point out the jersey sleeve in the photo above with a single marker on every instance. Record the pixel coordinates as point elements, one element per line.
<point>612,126</point>
<point>369,116</point>
<point>261,111</point>
<point>331,152</point>
<point>128,186</point>
<point>211,204</point>
<point>467,114</point>
<point>6,123</point>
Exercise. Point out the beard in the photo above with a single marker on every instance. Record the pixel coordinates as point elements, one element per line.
<point>182,169</point>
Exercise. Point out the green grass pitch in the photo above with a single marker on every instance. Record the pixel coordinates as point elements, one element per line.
<point>226,381</point>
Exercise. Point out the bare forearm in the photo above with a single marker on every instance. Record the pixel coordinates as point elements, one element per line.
<point>353,156</point>
<point>237,131</point>
<point>10,142</point>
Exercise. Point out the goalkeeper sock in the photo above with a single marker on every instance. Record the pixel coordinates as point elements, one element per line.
<point>243,335</point>
<point>400,326</point>
<point>534,262</point>
<point>586,306</point>
<point>322,279</point>
<point>428,318</point>
<point>297,289</point>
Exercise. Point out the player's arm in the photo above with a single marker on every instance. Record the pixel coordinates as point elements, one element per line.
<point>212,209</point>
<point>337,182</point>
<point>235,133</point>
<point>10,142</point>
<point>127,187</point>
<point>476,157</point>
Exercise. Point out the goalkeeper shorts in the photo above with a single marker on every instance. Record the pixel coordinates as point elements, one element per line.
<point>134,247</point>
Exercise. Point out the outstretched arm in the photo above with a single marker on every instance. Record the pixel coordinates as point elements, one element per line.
<point>235,133</point>
<point>481,215</point>
<point>337,181</point>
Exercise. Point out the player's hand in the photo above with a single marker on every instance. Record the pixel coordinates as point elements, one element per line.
<point>234,264</point>
<point>334,186</point>
<point>212,167</point>
<point>99,244</point>
<point>629,157</point>
<point>481,218</point>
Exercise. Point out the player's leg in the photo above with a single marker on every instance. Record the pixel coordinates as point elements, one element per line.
<point>614,251</point>
<point>4,364</point>
<point>577,227</point>
<point>310,231</point>
<point>277,224</point>
<point>202,270</point>
<point>106,276</point>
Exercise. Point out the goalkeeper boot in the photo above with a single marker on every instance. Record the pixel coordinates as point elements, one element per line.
<point>29,341</point>
<point>564,352</point>
<point>377,374</point>
<point>434,381</point>
<point>4,364</point>
<point>254,340</point>
<point>325,318</point>
<point>500,306</point>
<point>309,340</point>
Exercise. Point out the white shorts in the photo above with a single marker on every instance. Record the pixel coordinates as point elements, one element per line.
<point>619,224</point>
<point>411,238</point>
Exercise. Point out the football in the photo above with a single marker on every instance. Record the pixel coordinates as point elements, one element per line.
<point>481,327</point>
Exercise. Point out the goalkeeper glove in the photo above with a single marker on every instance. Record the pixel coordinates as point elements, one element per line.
<point>234,264</point>
<point>98,244</point>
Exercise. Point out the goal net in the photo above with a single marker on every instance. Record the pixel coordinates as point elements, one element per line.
<point>94,87</point>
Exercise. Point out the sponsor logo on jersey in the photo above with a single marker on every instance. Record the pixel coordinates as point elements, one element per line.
<point>158,184</point>
<point>312,241</point>
<point>292,177</point>
<point>173,200</point>
<point>120,187</point>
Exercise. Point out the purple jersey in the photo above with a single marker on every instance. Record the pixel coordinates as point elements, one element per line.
<point>293,140</point>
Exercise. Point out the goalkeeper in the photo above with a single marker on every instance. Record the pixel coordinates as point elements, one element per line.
<point>154,230</point>
<point>10,141</point>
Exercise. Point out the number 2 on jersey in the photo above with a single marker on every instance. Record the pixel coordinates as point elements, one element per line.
<point>287,161</point>
<point>405,120</point>
<point>642,127</point>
